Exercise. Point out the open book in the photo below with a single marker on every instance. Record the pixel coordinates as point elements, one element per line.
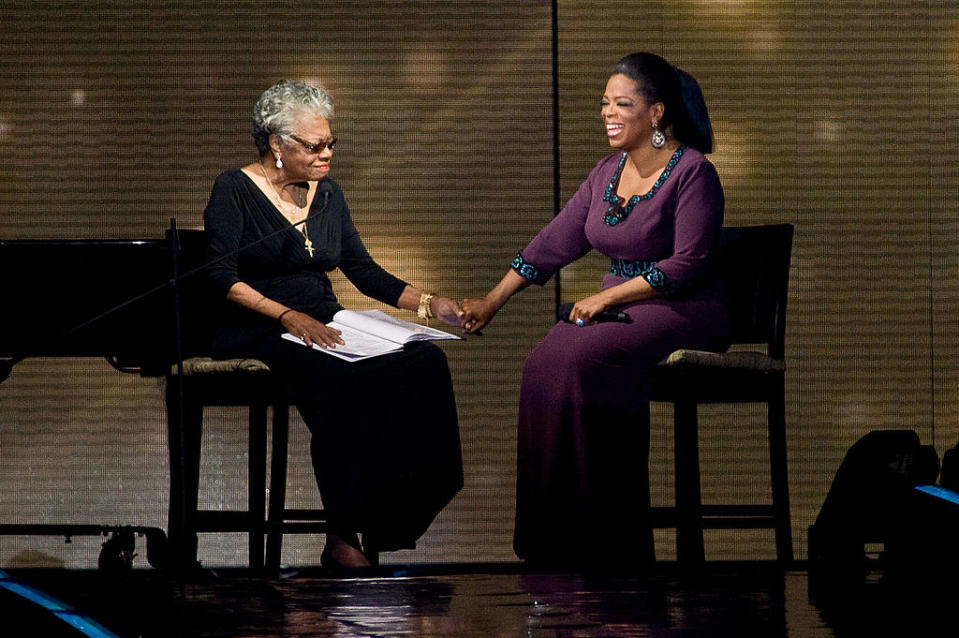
<point>370,333</point>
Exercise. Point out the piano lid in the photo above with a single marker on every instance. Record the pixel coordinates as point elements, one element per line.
<point>49,287</point>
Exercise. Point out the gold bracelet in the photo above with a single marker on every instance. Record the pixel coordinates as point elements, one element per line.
<point>423,310</point>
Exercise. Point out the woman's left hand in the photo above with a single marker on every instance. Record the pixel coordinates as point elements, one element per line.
<point>584,310</point>
<point>447,311</point>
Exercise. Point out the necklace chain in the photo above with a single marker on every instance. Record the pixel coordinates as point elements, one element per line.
<point>292,214</point>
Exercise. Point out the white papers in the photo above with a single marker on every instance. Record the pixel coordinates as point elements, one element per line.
<point>370,333</point>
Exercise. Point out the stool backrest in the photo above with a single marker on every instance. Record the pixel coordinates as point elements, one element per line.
<point>199,309</point>
<point>754,263</point>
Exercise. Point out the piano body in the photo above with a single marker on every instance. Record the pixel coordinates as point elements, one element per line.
<point>62,299</point>
<point>96,298</point>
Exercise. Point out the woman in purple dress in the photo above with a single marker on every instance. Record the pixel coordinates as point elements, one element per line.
<point>655,208</point>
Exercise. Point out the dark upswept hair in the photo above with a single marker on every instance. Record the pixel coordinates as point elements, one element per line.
<point>685,108</point>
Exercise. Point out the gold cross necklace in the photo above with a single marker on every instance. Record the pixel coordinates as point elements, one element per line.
<point>291,215</point>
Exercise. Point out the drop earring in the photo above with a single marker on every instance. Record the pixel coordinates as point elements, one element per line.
<point>279,162</point>
<point>659,139</point>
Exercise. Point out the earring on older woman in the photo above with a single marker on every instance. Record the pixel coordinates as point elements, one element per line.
<point>659,139</point>
<point>279,162</point>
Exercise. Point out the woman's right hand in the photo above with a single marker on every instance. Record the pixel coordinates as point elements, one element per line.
<point>477,313</point>
<point>302,325</point>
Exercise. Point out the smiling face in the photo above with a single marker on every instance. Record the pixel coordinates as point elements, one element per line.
<point>627,116</point>
<point>299,163</point>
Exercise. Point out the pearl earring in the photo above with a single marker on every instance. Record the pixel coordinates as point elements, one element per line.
<point>279,162</point>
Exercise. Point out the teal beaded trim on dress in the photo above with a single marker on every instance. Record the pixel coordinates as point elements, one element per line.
<point>616,211</point>
<point>528,271</point>
<point>648,271</point>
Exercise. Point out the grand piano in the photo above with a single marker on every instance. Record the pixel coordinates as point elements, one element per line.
<point>103,298</point>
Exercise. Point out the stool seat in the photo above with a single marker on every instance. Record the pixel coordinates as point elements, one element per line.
<point>209,365</point>
<point>736,360</point>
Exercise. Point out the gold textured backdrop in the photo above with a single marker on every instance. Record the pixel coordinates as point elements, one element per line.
<point>840,118</point>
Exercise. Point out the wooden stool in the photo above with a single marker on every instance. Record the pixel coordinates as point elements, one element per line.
<point>241,383</point>
<point>754,262</point>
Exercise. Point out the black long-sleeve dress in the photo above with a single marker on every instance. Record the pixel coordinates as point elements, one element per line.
<point>385,436</point>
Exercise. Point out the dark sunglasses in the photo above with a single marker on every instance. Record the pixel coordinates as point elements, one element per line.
<point>319,147</point>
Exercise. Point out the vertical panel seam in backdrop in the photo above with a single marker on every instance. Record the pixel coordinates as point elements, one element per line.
<point>557,287</point>
<point>930,265</point>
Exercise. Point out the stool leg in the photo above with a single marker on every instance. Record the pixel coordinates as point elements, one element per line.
<point>183,440</point>
<point>780,474</point>
<point>278,467</point>
<point>257,484</point>
<point>689,528</point>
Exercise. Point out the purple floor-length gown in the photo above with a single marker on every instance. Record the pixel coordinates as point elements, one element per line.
<point>582,483</point>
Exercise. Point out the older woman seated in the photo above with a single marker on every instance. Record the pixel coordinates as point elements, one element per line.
<point>385,437</point>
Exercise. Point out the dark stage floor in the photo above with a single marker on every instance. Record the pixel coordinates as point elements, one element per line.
<point>755,599</point>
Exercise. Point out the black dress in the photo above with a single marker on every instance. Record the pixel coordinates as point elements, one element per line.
<point>385,435</point>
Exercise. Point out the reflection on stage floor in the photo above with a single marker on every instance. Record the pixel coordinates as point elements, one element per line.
<point>754,599</point>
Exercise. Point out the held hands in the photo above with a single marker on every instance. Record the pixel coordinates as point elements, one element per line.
<point>478,312</point>
<point>310,330</point>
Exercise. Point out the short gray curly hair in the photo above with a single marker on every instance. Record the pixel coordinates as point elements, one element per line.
<point>280,105</point>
